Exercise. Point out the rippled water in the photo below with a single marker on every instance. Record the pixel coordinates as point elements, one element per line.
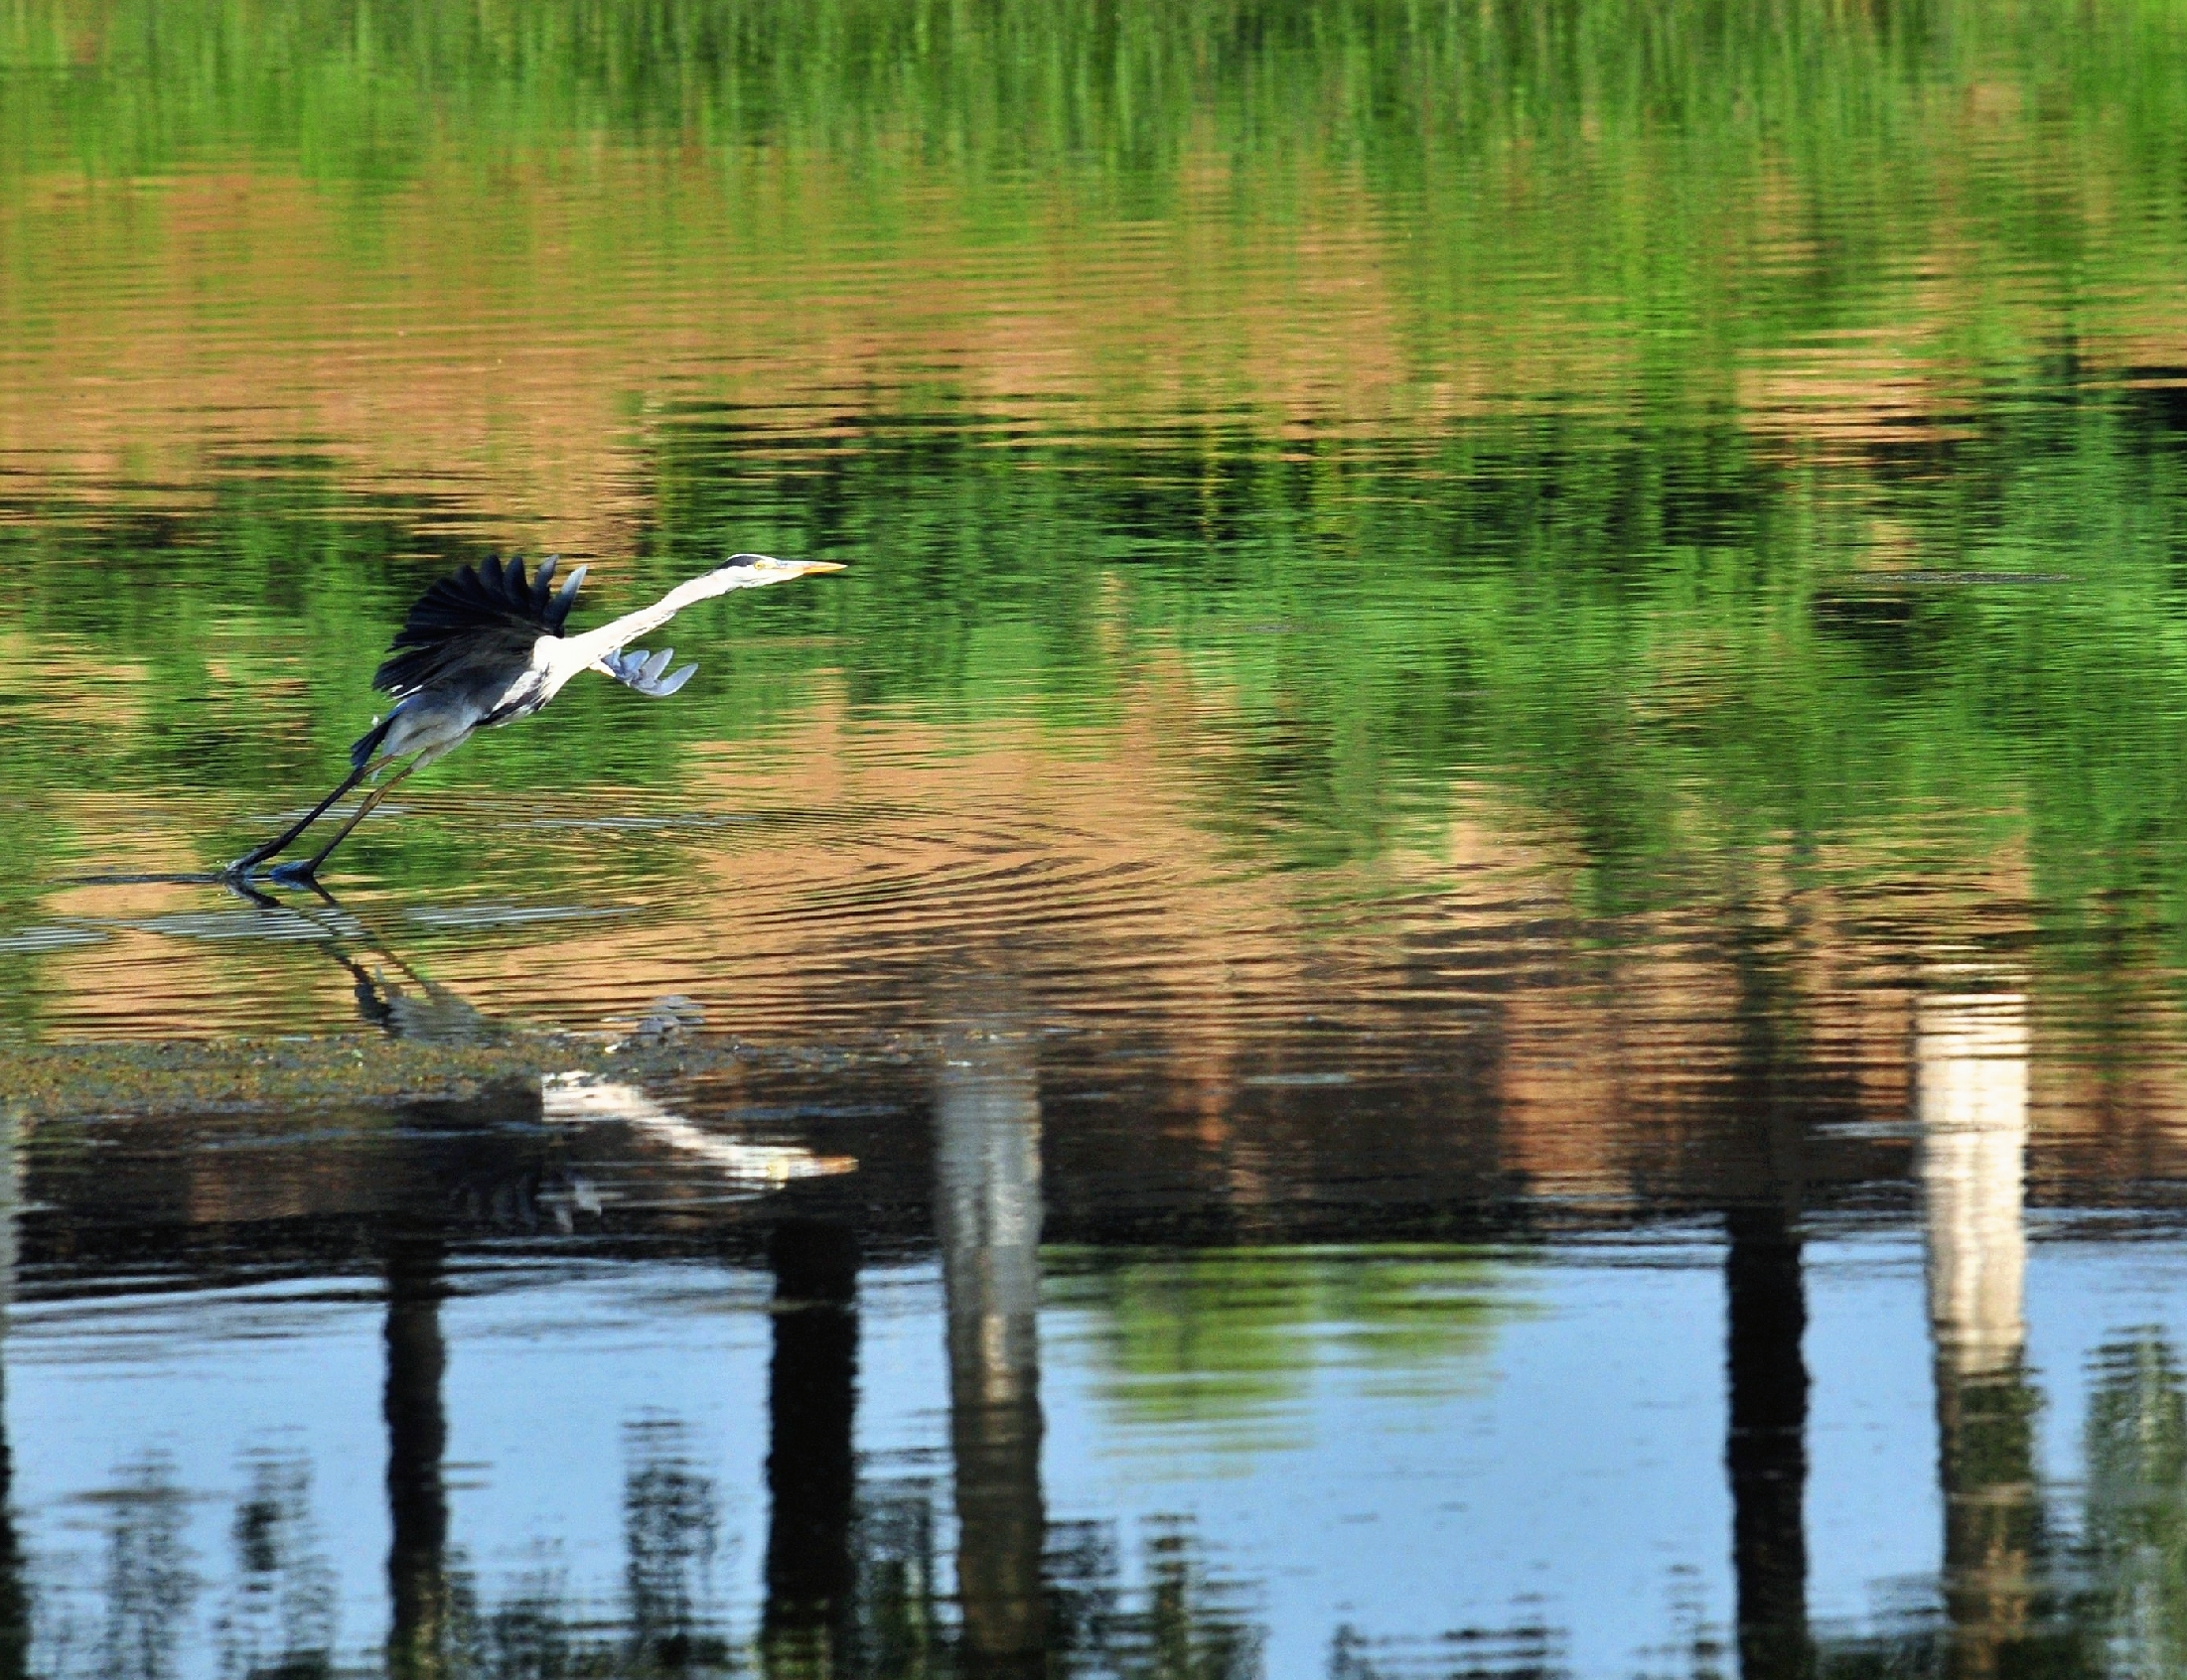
<point>1459,953</point>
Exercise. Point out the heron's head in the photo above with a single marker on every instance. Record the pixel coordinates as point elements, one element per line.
<point>748,571</point>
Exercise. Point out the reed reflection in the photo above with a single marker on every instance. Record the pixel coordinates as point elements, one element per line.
<point>987,1206</point>
<point>671,1532</point>
<point>1970,1100</point>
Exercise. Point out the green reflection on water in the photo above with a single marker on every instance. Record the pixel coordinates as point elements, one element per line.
<point>1658,702</point>
<point>1229,1341</point>
<point>2136,1503</point>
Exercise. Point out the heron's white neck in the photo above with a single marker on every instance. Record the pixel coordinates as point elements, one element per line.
<point>563,657</point>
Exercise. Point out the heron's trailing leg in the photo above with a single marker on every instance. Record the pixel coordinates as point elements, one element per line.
<point>309,866</point>
<point>257,855</point>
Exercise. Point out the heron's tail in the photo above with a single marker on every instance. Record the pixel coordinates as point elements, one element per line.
<point>367,744</point>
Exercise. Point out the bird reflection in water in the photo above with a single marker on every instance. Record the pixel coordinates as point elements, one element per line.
<point>392,993</point>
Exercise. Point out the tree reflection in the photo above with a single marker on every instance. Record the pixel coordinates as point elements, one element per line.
<point>1766,1317</point>
<point>1767,1453</point>
<point>1529,1651</point>
<point>1225,1340</point>
<point>15,1602</point>
<point>901,1626</point>
<point>672,1530</point>
<point>1185,1623</point>
<point>149,1583</point>
<point>1182,1630</point>
<point>279,1620</point>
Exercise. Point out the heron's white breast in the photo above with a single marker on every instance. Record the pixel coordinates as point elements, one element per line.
<point>554,660</point>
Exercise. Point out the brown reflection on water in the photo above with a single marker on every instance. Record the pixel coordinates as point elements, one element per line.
<point>863,862</point>
<point>824,883</point>
<point>231,309</point>
<point>180,958</point>
<point>237,306</point>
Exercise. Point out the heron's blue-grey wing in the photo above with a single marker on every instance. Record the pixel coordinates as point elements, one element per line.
<point>635,668</point>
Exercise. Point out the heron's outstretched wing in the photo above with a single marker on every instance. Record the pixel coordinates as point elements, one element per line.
<point>487,612</point>
<point>636,668</point>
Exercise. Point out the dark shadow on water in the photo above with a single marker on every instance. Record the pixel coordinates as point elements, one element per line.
<point>1767,1451</point>
<point>810,1612</point>
<point>15,1598</point>
<point>418,1587</point>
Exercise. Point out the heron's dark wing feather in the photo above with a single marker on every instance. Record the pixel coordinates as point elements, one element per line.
<point>481,612</point>
<point>483,660</point>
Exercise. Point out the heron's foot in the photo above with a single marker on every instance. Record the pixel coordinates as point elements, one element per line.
<point>253,862</point>
<point>243,887</point>
<point>305,874</point>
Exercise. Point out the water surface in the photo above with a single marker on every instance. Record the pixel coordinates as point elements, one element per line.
<point>1459,953</point>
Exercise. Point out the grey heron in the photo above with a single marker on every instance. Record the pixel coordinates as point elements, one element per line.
<point>485,647</point>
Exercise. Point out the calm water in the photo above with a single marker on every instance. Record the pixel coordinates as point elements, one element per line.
<point>1461,952</point>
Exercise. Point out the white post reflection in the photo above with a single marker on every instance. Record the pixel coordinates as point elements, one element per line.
<point>1971,1091</point>
<point>989,1216</point>
<point>1970,1102</point>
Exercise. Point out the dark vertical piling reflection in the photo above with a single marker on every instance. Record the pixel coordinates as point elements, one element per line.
<point>15,1631</point>
<point>812,1478</point>
<point>1970,1102</point>
<point>417,1438</point>
<point>1767,1453</point>
<point>1766,1322</point>
<point>988,1219</point>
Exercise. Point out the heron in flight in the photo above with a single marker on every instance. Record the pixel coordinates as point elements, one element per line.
<point>485,647</point>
